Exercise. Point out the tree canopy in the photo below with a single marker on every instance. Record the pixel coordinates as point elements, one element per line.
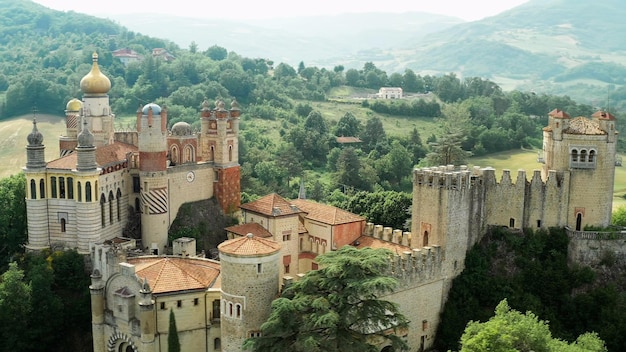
<point>336,308</point>
<point>510,330</point>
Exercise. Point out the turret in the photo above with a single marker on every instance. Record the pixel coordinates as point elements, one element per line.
<point>97,310</point>
<point>244,306</point>
<point>95,86</point>
<point>36,202</point>
<point>68,142</point>
<point>35,157</point>
<point>147,315</point>
<point>152,127</point>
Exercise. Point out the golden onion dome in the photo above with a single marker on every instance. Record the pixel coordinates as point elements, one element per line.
<point>74,105</point>
<point>95,82</point>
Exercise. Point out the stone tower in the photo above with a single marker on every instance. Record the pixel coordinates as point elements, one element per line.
<point>250,281</point>
<point>586,149</point>
<point>36,203</point>
<point>95,86</point>
<point>97,310</point>
<point>88,217</point>
<point>155,216</point>
<point>220,144</point>
<point>68,142</point>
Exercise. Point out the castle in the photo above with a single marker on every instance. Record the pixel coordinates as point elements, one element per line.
<point>80,199</point>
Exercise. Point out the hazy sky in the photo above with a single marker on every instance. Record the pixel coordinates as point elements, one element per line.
<point>465,9</point>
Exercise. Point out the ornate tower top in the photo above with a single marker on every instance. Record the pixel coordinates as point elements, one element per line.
<point>35,138</point>
<point>95,82</point>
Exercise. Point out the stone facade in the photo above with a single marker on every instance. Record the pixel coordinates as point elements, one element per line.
<point>103,176</point>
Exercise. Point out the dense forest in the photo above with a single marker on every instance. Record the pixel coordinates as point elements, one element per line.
<point>45,53</point>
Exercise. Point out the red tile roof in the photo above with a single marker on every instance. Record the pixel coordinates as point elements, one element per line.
<point>603,115</point>
<point>271,205</point>
<point>326,214</point>
<point>105,156</point>
<point>249,245</point>
<point>170,274</point>
<point>253,228</point>
<point>558,114</point>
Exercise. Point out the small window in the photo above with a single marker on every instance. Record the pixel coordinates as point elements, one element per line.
<point>63,225</point>
<point>286,269</point>
<point>136,184</point>
<point>53,186</point>
<point>538,223</point>
<point>62,187</point>
<point>42,189</point>
<point>33,189</point>
<point>238,307</point>
<point>70,188</point>
<point>424,325</point>
<point>286,238</point>
<point>179,303</point>
<point>196,301</point>
<point>162,305</point>
<point>511,223</point>
<point>259,268</point>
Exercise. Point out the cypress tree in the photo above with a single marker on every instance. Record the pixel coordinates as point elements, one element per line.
<point>173,344</point>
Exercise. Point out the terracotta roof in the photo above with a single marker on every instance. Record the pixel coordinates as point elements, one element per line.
<point>105,156</point>
<point>582,125</point>
<point>345,140</point>
<point>558,114</point>
<point>372,242</point>
<point>326,214</point>
<point>253,228</point>
<point>603,115</point>
<point>271,205</point>
<point>170,274</point>
<point>249,245</point>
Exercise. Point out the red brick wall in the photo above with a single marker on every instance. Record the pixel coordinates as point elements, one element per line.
<point>347,233</point>
<point>154,161</point>
<point>227,189</point>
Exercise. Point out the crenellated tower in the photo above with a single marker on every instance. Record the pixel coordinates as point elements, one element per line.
<point>155,215</point>
<point>585,148</point>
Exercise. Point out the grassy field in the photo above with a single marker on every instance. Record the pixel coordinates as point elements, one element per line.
<point>13,133</point>
<point>527,159</point>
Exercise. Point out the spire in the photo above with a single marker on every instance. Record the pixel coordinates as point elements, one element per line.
<point>86,157</point>
<point>35,157</point>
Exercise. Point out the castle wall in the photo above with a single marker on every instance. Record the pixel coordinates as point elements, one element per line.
<point>285,231</point>
<point>184,188</point>
<point>591,248</point>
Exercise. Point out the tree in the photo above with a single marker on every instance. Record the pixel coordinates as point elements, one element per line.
<point>47,307</point>
<point>510,330</point>
<point>348,168</point>
<point>373,134</point>
<point>173,344</point>
<point>12,216</point>
<point>348,126</point>
<point>448,149</point>
<point>216,53</point>
<point>396,164</point>
<point>336,308</point>
<point>619,216</point>
<point>15,307</point>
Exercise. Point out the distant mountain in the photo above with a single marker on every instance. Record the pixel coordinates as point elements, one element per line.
<point>547,45</point>
<point>316,40</point>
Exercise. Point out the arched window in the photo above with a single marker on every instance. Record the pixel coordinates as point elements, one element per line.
<point>88,191</point>
<point>62,225</point>
<point>579,221</point>
<point>53,186</point>
<point>70,188</point>
<point>512,223</point>
<point>62,187</point>
<point>102,211</point>
<point>592,156</point>
<point>111,199</point>
<point>217,344</point>
<point>230,309</point>
<point>574,155</point>
<point>230,153</point>
<point>238,309</point>
<point>33,189</point>
<point>425,241</point>
<point>42,189</point>
<point>583,156</point>
<point>119,201</point>
<point>212,153</point>
<point>80,191</point>
<point>188,154</point>
<point>175,154</point>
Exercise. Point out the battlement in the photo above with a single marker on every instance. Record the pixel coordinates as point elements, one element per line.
<point>411,266</point>
<point>452,177</point>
